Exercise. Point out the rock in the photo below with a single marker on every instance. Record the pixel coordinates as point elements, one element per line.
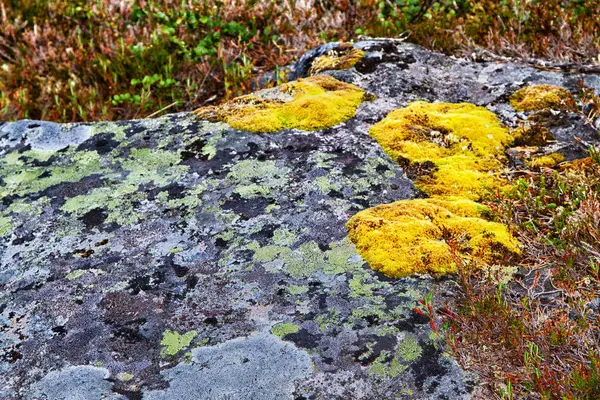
<point>180,258</point>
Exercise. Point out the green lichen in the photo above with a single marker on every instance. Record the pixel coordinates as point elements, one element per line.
<point>118,131</point>
<point>361,289</point>
<point>124,376</point>
<point>267,253</point>
<point>282,329</point>
<point>304,261</point>
<point>173,342</point>
<point>388,365</point>
<point>5,226</point>
<point>383,367</point>
<point>297,289</point>
<point>158,166</point>
<point>342,257</point>
<point>78,273</point>
<point>308,104</point>
<point>284,237</point>
<point>409,349</point>
<point>254,178</point>
<point>21,177</point>
<point>329,320</point>
<point>143,166</point>
<point>325,184</point>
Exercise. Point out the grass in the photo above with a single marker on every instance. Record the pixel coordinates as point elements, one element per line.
<point>87,60</point>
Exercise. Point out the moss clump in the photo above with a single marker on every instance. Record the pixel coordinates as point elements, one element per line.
<point>539,97</point>
<point>415,236</point>
<point>547,161</point>
<point>309,104</point>
<point>462,143</point>
<point>458,150</point>
<point>535,135</point>
<point>343,57</point>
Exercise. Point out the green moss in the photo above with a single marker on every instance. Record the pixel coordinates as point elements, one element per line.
<point>343,57</point>
<point>173,342</point>
<point>547,161</point>
<point>282,329</point>
<point>412,236</point>
<point>539,97</point>
<point>309,104</point>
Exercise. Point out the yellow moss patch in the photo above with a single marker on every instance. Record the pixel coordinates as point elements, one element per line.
<point>454,151</point>
<point>464,142</point>
<point>535,135</point>
<point>548,161</point>
<point>309,104</point>
<point>344,57</point>
<point>412,236</point>
<point>539,97</point>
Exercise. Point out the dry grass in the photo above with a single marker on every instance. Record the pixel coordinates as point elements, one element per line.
<point>85,60</point>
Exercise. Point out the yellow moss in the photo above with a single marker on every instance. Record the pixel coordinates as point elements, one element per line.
<point>548,161</point>
<point>539,97</point>
<point>344,57</point>
<point>309,104</point>
<point>412,236</point>
<point>535,135</point>
<point>464,142</point>
<point>454,151</point>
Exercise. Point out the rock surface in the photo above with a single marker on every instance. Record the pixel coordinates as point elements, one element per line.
<point>174,258</point>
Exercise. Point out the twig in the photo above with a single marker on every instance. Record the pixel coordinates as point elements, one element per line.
<point>161,110</point>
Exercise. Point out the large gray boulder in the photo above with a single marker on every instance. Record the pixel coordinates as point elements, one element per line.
<point>176,258</point>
